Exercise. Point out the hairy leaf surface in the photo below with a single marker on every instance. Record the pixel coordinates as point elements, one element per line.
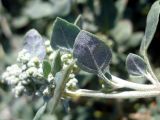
<point>61,79</point>
<point>135,65</point>
<point>34,44</point>
<point>151,26</point>
<point>92,54</point>
<point>64,34</point>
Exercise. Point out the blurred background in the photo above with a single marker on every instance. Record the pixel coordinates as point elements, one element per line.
<point>119,23</point>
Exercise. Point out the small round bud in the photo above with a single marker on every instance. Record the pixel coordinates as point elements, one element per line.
<point>40,70</point>
<point>24,67</point>
<point>23,76</point>
<point>71,76</point>
<point>46,91</point>
<point>64,66</point>
<point>35,60</point>
<point>51,56</point>
<point>31,71</point>
<point>47,43</point>
<point>18,90</point>
<point>49,50</point>
<point>50,78</point>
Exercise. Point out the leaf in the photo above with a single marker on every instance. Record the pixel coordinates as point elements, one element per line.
<point>34,44</point>
<point>79,21</point>
<point>61,7</point>
<point>38,9</point>
<point>40,112</point>
<point>120,33</point>
<point>106,14</point>
<point>134,40</point>
<point>56,64</point>
<point>63,34</point>
<point>136,65</point>
<point>120,6</point>
<point>151,26</point>
<point>46,68</point>
<point>61,78</point>
<point>92,54</point>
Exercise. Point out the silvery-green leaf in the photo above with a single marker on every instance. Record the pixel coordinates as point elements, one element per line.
<point>61,78</point>
<point>63,34</point>
<point>120,33</point>
<point>151,26</point>
<point>136,65</point>
<point>46,68</point>
<point>92,54</point>
<point>34,44</point>
<point>40,112</point>
<point>56,64</point>
<point>61,7</point>
<point>120,6</point>
<point>37,9</point>
<point>135,39</point>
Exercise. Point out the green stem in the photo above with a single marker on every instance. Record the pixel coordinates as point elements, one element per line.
<point>120,95</point>
<point>132,85</point>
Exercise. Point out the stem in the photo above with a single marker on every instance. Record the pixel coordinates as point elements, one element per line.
<point>132,85</point>
<point>112,83</point>
<point>78,18</point>
<point>150,78</point>
<point>150,68</point>
<point>121,95</point>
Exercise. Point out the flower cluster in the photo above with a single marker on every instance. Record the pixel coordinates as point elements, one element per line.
<point>49,51</point>
<point>66,59</point>
<point>27,75</point>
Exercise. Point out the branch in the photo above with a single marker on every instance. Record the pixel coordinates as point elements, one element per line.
<point>121,95</point>
<point>132,85</point>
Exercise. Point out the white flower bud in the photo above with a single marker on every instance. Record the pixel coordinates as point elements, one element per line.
<point>50,77</point>
<point>18,90</point>
<point>31,71</point>
<point>14,70</point>
<point>47,43</point>
<point>23,56</point>
<point>64,66</point>
<point>67,84</point>
<point>51,56</point>
<point>46,91</point>
<point>69,61</point>
<point>49,49</point>
<point>73,80</point>
<point>64,57</point>
<point>34,62</point>
<point>5,75</point>
<point>72,83</point>
<point>23,76</point>
<point>40,70</point>
<point>71,76</point>
<point>25,82</point>
<point>24,67</point>
<point>12,80</point>
<point>35,74</point>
